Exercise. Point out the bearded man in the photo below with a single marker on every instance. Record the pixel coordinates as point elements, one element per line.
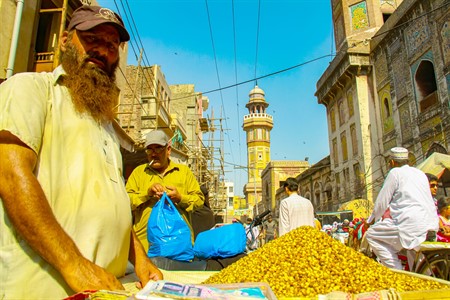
<point>65,215</point>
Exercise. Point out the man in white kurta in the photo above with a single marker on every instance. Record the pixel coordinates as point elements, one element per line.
<point>295,211</point>
<point>403,214</point>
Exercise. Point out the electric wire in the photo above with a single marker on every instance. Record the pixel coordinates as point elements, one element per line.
<point>134,94</point>
<point>146,60</point>
<point>221,174</point>
<point>331,55</point>
<point>411,20</point>
<point>132,42</point>
<point>217,73</point>
<point>132,35</point>
<point>312,60</point>
<point>290,68</point>
<point>134,38</point>
<point>377,182</point>
<point>264,76</point>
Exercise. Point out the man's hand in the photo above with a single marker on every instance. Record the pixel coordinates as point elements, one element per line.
<point>146,271</point>
<point>84,275</point>
<point>143,266</point>
<point>156,190</point>
<point>367,225</point>
<point>173,194</point>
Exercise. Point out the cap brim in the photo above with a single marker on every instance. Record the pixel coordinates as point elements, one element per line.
<point>155,143</point>
<point>87,25</point>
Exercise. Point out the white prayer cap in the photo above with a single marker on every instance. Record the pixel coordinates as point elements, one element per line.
<point>399,153</point>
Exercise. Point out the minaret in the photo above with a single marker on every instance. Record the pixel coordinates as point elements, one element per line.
<point>257,125</point>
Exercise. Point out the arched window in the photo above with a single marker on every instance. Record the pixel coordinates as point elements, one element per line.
<point>358,181</point>
<point>316,197</point>
<point>350,104</point>
<point>425,84</point>
<point>387,109</point>
<point>354,140</point>
<point>335,152</point>
<point>332,120</point>
<point>341,113</point>
<point>344,147</point>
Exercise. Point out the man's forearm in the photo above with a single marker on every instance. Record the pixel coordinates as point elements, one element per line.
<point>137,251</point>
<point>29,211</point>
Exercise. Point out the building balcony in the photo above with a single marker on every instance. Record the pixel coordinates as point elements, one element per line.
<point>43,62</point>
<point>176,122</point>
<point>428,101</point>
<point>258,115</point>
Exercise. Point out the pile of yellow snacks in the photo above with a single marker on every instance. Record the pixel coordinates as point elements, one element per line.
<point>307,262</point>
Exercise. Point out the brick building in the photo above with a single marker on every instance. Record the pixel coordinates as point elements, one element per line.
<point>387,86</point>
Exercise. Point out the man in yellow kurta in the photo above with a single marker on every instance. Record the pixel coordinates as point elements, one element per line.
<point>149,181</point>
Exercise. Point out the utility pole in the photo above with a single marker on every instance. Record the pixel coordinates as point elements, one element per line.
<point>219,196</point>
<point>135,88</point>
<point>252,168</point>
<point>254,185</point>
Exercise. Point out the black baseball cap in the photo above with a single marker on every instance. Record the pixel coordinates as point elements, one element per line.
<point>87,17</point>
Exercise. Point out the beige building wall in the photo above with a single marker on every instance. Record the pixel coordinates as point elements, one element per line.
<point>315,184</point>
<point>377,89</point>
<point>346,89</point>
<point>353,127</point>
<point>412,78</point>
<point>273,176</point>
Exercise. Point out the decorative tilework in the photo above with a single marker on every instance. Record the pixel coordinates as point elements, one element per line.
<point>358,13</point>
<point>417,34</point>
<point>445,35</point>
<point>381,67</point>
<point>397,67</point>
<point>405,122</point>
<point>448,88</point>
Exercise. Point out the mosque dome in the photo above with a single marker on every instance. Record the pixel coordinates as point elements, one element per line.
<point>257,97</point>
<point>256,91</point>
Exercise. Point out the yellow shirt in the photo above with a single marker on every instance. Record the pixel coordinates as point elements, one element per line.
<point>143,177</point>
<point>79,167</point>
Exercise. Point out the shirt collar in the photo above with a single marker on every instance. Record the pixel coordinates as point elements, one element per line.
<point>57,73</point>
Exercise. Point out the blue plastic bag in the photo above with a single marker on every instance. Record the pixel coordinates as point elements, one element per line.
<point>225,241</point>
<point>167,232</point>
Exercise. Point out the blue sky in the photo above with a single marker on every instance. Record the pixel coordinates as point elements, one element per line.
<point>177,36</point>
